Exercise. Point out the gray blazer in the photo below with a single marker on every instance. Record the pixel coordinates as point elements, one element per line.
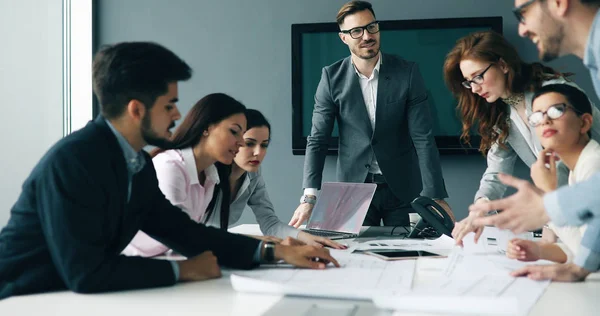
<point>253,193</point>
<point>503,160</point>
<point>402,141</point>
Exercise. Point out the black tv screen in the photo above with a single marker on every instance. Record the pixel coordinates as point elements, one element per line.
<point>426,42</point>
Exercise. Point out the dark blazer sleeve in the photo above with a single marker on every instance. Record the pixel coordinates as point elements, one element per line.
<point>323,119</point>
<point>421,132</point>
<point>174,228</point>
<point>71,202</point>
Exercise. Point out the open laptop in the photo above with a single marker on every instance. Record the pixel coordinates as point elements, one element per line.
<point>341,209</point>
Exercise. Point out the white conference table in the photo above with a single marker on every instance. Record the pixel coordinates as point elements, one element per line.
<point>217,297</point>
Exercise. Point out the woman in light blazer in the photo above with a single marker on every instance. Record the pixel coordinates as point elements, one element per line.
<point>494,88</point>
<point>248,188</point>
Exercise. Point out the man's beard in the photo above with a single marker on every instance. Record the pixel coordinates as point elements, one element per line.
<point>372,51</point>
<point>552,43</point>
<point>150,136</point>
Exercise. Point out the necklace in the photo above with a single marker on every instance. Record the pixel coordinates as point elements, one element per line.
<point>514,99</point>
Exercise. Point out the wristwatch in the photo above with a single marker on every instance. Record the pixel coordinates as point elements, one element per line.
<point>310,199</point>
<point>269,254</point>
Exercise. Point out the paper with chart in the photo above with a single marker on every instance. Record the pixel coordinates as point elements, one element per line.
<point>441,244</point>
<point>473,284</point>
<point>360,277</point>
<point>492,241</point>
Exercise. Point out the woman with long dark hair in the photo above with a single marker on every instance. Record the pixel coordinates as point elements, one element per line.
<point>247,187</point>
<point>211,132</point>
<point>494,88</point>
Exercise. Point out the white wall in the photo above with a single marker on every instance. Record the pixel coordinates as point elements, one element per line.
<point>30,90</point>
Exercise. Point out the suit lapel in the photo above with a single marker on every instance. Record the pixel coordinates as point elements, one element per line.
<point>117,159</point>
<point>384,84</point>
<point>119,169</point>
<point>519,145</point>
<point>355,94</point>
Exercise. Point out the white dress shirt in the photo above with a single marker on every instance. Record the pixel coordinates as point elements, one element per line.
<point>178,180</point>
<point>587,164</point>
<point>368,86</point>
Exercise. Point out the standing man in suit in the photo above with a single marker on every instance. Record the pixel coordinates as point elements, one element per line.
<point>93,190</point>
<point>385,127</point>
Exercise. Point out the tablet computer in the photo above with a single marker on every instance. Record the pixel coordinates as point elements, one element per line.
<point>399,254</point>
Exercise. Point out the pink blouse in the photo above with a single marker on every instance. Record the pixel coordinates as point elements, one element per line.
<point>178,180</point>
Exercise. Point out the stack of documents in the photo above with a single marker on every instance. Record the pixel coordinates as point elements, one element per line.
<point>474,280</point>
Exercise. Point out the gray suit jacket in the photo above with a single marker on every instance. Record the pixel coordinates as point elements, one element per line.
<point>402,141</point>
<point>253,193</point>
<point>501,160</point>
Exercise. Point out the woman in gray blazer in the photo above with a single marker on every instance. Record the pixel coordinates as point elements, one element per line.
<point>494,88</point>
<point>248,187</point>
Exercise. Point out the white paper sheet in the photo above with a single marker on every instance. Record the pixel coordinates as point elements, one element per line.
<point>492,240</point>
<point>442,243</point>
<point>473,284</point>
<point>361,277</point>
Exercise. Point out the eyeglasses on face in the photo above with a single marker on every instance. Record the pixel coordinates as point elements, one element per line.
<point>518,11</point>
<point>477,79</point>
<point>554,112</point>
<point>357,32</point>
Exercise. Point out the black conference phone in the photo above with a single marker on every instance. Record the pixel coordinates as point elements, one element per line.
<point>434,221</point>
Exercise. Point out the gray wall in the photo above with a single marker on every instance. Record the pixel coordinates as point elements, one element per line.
<point>244,48</point>
<point>31,89</point>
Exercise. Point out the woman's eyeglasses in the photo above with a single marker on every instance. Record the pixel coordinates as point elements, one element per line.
<point>477,79</point>
<point>554,112</point>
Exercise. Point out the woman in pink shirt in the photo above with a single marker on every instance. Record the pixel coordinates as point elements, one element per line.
<point>211,132</point>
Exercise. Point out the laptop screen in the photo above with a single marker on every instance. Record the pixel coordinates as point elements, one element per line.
<point>342,207</point>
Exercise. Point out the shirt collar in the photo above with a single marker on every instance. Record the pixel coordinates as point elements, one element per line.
<point>589,60</point>
<point>190,168</point>
<point>375,70</point>
<point>588,153</point>
<point>135,160</point>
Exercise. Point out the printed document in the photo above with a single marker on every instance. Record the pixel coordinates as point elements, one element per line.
<point>360,277</point>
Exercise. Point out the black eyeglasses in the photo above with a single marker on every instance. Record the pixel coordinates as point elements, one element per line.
<point>554,112</point>
<point>357,32</point>
<point>477,79</point>
<point>518,11</point>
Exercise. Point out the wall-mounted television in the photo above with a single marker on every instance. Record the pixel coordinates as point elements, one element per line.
<point>426,42</point>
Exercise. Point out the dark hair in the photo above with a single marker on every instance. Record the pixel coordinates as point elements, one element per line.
<point>592,2</point>
<point>210,110</point>
<point>351,8</point>
<point>491,119</point>
<point>576,98</point>
<point>134,70</point>
<point>256,119</point>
